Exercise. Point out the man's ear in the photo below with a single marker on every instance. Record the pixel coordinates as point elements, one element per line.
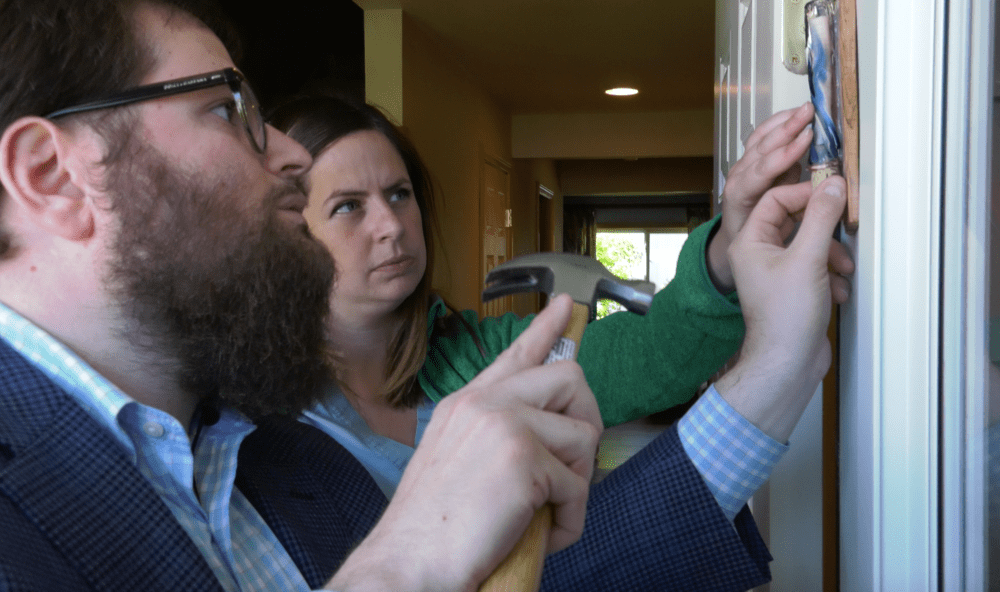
<point>40,171</point>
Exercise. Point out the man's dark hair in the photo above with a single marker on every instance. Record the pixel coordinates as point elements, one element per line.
<point>58,53</point>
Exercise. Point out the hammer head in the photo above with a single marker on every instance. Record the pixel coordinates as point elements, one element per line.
<point>582,277</point>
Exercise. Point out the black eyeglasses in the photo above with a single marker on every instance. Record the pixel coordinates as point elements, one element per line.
<point>247,104</point>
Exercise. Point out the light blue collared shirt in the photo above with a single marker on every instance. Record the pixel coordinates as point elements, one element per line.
<point>384,458</point>
<point>732,455</point>
<point>241,549</point>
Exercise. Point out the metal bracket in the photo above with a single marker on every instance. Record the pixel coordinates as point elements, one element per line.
<point>793,49</point>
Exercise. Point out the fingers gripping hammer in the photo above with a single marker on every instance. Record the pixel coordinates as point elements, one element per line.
<point>586,281</point>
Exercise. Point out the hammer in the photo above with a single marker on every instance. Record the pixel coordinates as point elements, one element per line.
<point>586,281</point>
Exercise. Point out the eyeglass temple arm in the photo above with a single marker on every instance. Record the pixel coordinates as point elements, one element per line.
<point>149,91</point>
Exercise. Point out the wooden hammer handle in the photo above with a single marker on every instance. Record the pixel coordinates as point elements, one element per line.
<point>521,570</point>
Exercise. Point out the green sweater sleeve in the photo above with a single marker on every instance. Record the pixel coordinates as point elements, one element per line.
<point>636,365</point>
<point>454,356</point>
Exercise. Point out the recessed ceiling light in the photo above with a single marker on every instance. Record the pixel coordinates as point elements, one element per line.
<point>621,91</point>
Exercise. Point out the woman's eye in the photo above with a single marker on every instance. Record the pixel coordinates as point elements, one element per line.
<point>345,207</point>
<point>400,194</point>
<point>226,111</point>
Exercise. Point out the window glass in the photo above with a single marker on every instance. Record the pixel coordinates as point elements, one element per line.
<point>991,448</point>
<point>625,253</point>
<point>664,249</point>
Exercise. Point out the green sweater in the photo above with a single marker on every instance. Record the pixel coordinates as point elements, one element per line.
<point>635,364</point>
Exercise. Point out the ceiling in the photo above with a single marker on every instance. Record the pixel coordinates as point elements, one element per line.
<point>532,56</point>
<point>558,56</point>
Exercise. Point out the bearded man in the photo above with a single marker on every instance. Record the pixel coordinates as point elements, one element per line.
<point>161,323</point>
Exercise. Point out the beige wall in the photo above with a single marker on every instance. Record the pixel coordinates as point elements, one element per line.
<point>528,173</point>
<point>453,125</point>
<point>613,135</point>
<point>645,175</point>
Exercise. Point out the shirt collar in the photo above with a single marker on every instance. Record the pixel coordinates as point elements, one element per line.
<point>98,397</point>
<point>101,399</point>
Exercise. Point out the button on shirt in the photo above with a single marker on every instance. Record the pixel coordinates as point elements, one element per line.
<point>240,548</point>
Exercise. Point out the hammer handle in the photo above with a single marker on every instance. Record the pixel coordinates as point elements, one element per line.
<point>577,323</point>
<point>521,570</point>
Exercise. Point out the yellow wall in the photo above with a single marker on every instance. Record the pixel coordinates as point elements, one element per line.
<point>528,173</point>
<point>384,60</point>
<point>453,125</point>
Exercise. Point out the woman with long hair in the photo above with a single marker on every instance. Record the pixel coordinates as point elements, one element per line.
<point>396,347</point>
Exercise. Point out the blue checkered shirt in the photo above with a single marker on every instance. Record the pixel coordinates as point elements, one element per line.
<point>733,456</point>
<point>238,545</point>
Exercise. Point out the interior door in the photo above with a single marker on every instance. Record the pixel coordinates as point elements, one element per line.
<point>495,213</point>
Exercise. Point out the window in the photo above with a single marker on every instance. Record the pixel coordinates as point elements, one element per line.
<point>638,254</point>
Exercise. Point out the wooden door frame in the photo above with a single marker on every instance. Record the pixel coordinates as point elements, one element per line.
<point>488,159</point>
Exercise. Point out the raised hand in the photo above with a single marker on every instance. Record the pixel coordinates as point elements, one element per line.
<point>785,293</point>
<point>518,436</point>
<point>770,158</point>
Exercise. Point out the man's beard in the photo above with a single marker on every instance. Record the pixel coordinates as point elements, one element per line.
<point>233,299</point>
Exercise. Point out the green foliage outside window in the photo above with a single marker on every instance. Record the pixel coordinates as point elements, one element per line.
<point>620,255</point>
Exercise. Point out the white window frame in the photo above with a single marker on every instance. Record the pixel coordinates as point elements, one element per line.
<point>912,339</point>
<point>967,169</point>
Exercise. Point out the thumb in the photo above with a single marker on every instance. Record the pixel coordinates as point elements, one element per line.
<point>533,345</point>
<point>823,212</point>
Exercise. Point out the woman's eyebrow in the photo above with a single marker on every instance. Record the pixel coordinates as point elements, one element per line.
<point>401,182</point>
<point>338,193</point>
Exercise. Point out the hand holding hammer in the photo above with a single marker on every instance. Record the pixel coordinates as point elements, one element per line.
<point>586,281</point>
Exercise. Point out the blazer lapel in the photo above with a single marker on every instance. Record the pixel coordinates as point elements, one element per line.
<point>74,481</point>
<point>317,498</point>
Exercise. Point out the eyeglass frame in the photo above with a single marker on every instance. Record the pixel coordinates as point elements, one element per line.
<point>147,92</point>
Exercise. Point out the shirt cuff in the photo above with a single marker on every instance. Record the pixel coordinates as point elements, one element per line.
<point>732,455</point>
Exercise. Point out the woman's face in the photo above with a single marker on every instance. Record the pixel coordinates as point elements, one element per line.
<point>362,207</point>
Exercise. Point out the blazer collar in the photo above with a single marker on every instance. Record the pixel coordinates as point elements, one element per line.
<point>74,481</point>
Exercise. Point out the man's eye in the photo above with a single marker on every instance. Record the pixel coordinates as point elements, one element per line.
<point>226,111</point>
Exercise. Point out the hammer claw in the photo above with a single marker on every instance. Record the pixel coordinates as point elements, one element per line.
<point>503,281</point>
<point>513,287</point>
<point>633,300</point>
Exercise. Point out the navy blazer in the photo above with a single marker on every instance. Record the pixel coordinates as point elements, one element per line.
<point>76,515</point>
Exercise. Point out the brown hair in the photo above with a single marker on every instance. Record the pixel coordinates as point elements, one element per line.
<point>58,53</point>
<point>318,121</point>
